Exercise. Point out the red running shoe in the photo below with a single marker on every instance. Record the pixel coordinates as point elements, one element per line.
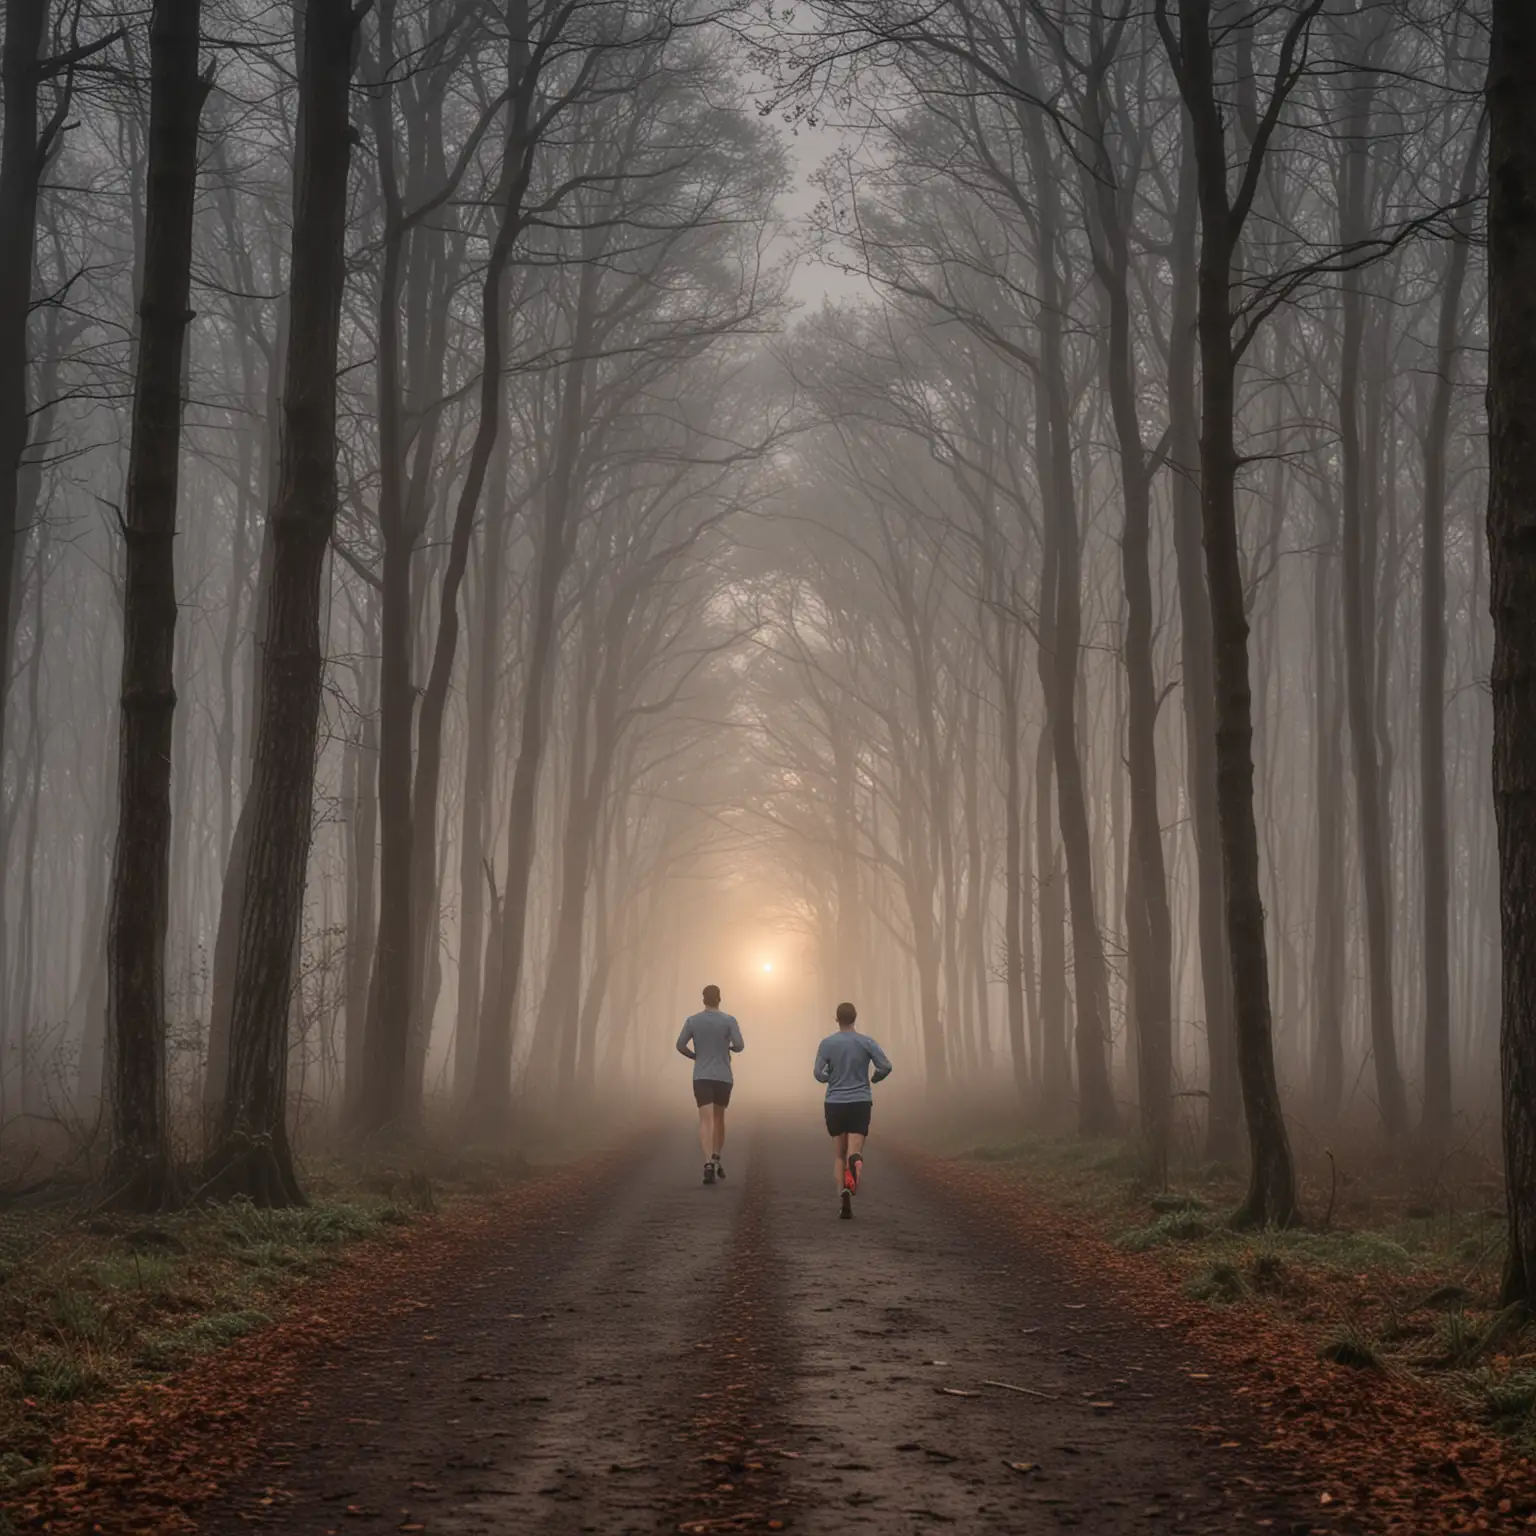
<point>851,1178</point>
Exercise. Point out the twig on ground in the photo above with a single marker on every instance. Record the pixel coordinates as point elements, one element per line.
<point>1008,1386</point>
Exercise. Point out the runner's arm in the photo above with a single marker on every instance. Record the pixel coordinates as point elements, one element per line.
<point>683,1041</point>
<point>736,1042</point>
<point>823,1067</point>
<point>882,1063</point>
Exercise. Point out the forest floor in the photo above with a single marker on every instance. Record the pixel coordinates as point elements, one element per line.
<point>616,1348</point>
<point>1368,1339</point>
<point>103,1315</point>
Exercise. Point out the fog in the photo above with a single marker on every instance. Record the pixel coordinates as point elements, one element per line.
<point>974,509</point>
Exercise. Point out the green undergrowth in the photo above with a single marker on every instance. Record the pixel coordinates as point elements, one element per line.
<point>1392,1267</point>
<point>92,1301</point>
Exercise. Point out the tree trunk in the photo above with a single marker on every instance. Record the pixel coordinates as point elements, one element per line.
<point>517,165</point>
<point>1436,1123</point>
<point>974,936</point>
<point>383,1100</point>
<point>480,733</point>
<point>139,1166</point>
<point>227,933</point>
<point>850,926</point>
<point>1097,1115</point>
<point>491,1099</point>
<point>22,154</point>
<point>1014,916</point>
<point>1224,1125</point>
<point>1055,1071</point>
<point>1512,573</point>
<point>252,1155</point>
<point>1272,1189</point>
<point>1149,929</point>
<point>362,884</point>
<point>1328,907</point>
<point>1359,577</point>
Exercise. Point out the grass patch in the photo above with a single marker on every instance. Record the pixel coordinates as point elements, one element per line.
<point>57,1374</point>
<point>1507,1400</point>
<point>1350,1346</point>
<point>1176,1227</point>
<point>1457,1338</point>
<point>150,1274</point>
<point>1347,1251</point>
<point>1267,1268</point>
<point>164,1351</point>
<point>1222,1282</point>
<point>1396,1263</point>
<point>90,1303</point>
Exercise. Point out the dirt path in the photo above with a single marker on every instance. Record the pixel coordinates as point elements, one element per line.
<point>661,1356</point>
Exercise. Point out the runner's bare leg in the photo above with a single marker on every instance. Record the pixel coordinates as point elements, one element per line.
<point>719,1128</point>
<point>707,1130</point>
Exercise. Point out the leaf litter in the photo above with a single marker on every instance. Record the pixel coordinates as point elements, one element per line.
<point>1382,1446</point>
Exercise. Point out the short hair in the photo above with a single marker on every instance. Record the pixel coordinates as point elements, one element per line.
<point>846,1013</point>
<point>711,995</point>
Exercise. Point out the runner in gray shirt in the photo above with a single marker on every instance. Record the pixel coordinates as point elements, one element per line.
<point>709,1040</point>
<point>843,1063</point>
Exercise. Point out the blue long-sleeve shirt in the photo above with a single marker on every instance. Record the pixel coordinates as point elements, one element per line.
<point>843,1061</point>
<point>713,1036</point>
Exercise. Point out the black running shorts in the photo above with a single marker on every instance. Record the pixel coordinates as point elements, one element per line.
<point>707,1091</point>
<point>849,1119</point>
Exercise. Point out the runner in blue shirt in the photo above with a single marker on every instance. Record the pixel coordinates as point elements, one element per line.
<point>843,1063</point>
<point>709,1040</point>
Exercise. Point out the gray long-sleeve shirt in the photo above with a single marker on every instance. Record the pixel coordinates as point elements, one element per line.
<point>713,1036</point>
<point>843,1061</point>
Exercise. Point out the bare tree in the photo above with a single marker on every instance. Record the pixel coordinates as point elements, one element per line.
<point>1192,51</point>
<point>140,1167</point>
<point>251,1155</point>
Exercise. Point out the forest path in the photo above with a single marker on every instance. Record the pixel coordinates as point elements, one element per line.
<point>661,1356</point>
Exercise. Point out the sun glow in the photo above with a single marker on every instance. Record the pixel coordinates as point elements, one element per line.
<point>767,966</point>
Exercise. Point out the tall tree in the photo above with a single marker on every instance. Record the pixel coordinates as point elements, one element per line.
<point>26,148</point>
<point>1110,191</point>
<point>1512,573</point>
<point>1359,582</point>
<point>1435,852</point>
<point>1192,50</point>
<point>251,1155</point>
<point>140,1166</point>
